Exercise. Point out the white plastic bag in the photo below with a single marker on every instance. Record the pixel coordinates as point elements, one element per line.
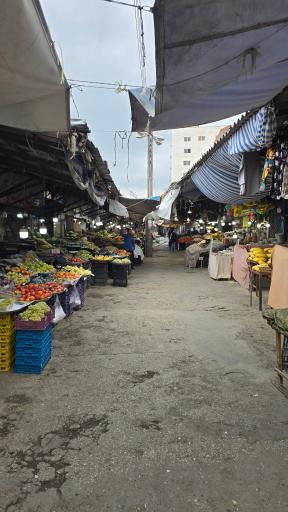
<point>59,312</point>
<point>75,298</point>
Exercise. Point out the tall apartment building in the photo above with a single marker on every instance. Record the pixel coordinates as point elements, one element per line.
<point>189,144</point>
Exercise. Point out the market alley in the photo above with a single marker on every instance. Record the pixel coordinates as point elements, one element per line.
<point>158,398</point>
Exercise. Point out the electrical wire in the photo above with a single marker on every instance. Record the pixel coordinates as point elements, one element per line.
<point>145,8</point>
<point>140,40</point>
<point>101,83</point>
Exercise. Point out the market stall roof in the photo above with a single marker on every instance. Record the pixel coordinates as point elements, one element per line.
<point>216,174</point>
<point>213,61</point>
<point>138,208</point>
<point>34,94</point>
<point>34,165</point>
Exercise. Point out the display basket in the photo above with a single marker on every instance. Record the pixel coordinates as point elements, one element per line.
<point>99,272</point>
<point>120,274</point>
<point>32,325</point>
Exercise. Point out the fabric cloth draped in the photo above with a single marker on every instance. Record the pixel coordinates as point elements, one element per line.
<point>257,132</point>
<point>218,178</point>
<point>278,294</point>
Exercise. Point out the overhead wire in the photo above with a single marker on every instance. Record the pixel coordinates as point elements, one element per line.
<point>146,8</point>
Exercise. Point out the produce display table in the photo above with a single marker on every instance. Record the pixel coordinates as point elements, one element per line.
<point>256,283</point>
<point>279,362</point>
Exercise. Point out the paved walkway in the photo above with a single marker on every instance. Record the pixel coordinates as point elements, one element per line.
<point>158,398</point>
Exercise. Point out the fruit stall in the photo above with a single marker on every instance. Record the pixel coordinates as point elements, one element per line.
<point>35,295</point>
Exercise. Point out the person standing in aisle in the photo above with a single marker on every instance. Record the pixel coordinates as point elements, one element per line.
<point>129,244</point>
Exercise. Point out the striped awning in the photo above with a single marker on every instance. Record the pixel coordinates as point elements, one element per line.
<point>257,132</point>
<point>217,178</point>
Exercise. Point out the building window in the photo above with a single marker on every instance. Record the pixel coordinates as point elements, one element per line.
<point>187,150</point>
<point>201,137</point>
<point>186,162</point>
<point>187,139</point>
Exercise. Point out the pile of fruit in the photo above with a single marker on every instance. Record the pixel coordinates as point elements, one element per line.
<point>67,276</point>
<point>18,275</point>
<point>262,258</point>
<point>121,252</point>
<point>5,303</point>
<point>31,292</point>
<point>80,271</point>
<point>102,258</point>
<point>84,254</point>
<point>122,261</point>
<point>89,244</point>
<point>43,279</point>
<point>76,259</point>
<point>35,312</point>
<point>37,266</point>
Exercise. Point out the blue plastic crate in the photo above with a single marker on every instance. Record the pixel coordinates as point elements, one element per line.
<point>24,350</point>
<point>33,368</point>
<point>37,336</point>
<point>28,343</point>
<point>30,360</point>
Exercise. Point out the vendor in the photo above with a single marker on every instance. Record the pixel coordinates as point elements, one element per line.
<point>129,244</point>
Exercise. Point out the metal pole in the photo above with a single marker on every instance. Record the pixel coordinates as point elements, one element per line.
<point>150,164</point>
<point>148,237</point>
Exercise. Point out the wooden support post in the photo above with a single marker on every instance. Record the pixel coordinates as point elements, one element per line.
<point>279,355</point>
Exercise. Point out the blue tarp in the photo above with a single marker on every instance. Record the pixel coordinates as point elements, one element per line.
<point>217,178</point>
<point>257,132</point>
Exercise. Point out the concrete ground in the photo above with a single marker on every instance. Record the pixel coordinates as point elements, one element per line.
<point>158,398</point>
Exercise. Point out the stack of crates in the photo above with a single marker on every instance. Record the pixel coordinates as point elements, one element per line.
<point>33,345</point>
<point>7,342</point>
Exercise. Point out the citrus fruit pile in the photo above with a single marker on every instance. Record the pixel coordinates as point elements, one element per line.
<point>67,276</point>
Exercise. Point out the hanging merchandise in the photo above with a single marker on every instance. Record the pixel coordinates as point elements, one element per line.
<point>278,165</point>
<point>265,185</point>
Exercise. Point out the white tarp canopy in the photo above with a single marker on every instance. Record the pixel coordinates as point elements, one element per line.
<point>163,211</point>
<point>34,94</point>
<point>118,209</point>
<point>215,60</point>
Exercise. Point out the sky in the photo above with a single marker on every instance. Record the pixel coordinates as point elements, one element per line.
<point>98,42</point>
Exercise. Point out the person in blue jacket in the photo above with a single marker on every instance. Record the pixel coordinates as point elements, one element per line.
<point>129,244</point>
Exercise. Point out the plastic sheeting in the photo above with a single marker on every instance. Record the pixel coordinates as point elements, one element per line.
<point>214,61</point>
<point>164,209</point>
<point>34,94</point>
<point>118,209</point>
